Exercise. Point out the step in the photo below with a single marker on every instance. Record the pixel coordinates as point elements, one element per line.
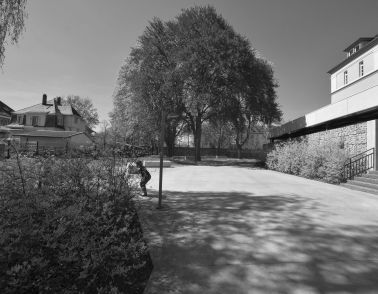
<point>359,188</point>
<point>370,176</point>
<point>366,180</point>
<point>363,184</point>
<point>373,172</point>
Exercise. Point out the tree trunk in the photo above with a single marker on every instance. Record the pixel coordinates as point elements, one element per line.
<point>197,139</point>
<point>170,139</point>
<point>238,144</point>
<point>170,146</point>
<point>239,148</point>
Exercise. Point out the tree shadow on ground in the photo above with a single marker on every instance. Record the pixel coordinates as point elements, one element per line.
<point>243,243</point>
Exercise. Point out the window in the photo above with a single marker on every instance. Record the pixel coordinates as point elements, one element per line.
<point>345,77</point>
<point>59,120</point>
<point>35,121</point>
<point>361,68</point>
<point>76,119</point>
<point>20,119</point>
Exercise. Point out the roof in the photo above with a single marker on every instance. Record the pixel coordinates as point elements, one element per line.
<point>52,134</point>
<point>49,108</point>
<point>355,43</point>
<point>5,108</point>
<point>368,46</point>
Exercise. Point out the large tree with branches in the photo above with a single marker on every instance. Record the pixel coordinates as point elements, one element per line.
<point>198,67</point>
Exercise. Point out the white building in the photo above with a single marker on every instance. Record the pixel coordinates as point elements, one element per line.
<point>48,115</point>
<point>353,113</point>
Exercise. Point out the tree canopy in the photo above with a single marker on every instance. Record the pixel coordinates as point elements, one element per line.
<point>12,21</point>
<point>199,68</point>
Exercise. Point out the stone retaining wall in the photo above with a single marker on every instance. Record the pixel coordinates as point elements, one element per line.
<point>354,137</point>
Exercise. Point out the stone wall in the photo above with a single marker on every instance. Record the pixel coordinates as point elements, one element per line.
<point>354,137</point>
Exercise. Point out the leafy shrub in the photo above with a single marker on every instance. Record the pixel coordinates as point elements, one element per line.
<point>69,226</point>
<point>287,157</point>
<point>322,162</point>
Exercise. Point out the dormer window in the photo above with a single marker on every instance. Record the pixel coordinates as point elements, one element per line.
<point>353,50</point>
<point>345,77</point>
<point>361,68</point>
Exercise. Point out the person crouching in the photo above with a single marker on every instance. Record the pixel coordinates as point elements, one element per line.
<point>145,177</point>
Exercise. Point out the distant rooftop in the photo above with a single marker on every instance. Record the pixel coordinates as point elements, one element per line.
<point>49,108</point>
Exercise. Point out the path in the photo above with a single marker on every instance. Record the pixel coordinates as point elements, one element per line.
<point>240,230</point>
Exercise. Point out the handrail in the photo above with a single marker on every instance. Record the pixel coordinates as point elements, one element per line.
<point>362,164</point>
<point>359,154</point>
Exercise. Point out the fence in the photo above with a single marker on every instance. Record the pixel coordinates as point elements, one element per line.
<point>232,153</point>
<point>33,148</point>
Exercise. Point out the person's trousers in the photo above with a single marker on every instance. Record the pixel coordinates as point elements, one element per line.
<point>143,183</point>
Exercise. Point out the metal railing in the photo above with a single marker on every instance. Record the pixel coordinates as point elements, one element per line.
<point>359,164</point>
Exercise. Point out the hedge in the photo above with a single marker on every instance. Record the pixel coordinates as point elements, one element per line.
<point>322,161</point>
<point>69,226</point>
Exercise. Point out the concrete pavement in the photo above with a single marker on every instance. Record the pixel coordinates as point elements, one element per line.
<point>227,229</point>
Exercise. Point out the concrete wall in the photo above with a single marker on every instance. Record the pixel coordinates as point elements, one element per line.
<point>354,137</point>
<point>364,100</point>
<point>372,138</point>
<point>365,84</point>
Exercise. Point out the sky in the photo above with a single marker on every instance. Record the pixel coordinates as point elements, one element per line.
<point>78,46</point>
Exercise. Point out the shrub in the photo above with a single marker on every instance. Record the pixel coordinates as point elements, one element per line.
<point>287,157</point>
<point>322,162</point>
<point>69,226</point>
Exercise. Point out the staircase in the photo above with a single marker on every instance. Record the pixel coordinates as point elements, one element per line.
<point>365,183</point>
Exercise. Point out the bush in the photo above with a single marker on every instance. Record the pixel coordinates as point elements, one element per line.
<point>69,226</point>
<point>321,162</point>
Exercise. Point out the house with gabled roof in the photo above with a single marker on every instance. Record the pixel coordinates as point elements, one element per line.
<point>48,115</point>
<point>49,123</point>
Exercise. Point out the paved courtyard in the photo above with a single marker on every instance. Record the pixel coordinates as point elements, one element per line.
<point>236,229</point>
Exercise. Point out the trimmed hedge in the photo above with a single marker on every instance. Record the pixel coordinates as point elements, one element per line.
<point>322,162</point>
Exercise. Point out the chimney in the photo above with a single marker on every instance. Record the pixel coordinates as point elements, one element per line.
<point>44,99</point>
<point>59,101</point>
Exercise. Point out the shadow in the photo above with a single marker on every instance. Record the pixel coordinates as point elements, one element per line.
<point>243,243</point>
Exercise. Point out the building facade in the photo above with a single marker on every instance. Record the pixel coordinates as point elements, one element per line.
<point>5,114</point>
<point>48,115</point>
<point>50,124</point>
<point>352,115</point>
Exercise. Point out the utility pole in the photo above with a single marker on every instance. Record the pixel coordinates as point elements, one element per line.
<point>162,126</point>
